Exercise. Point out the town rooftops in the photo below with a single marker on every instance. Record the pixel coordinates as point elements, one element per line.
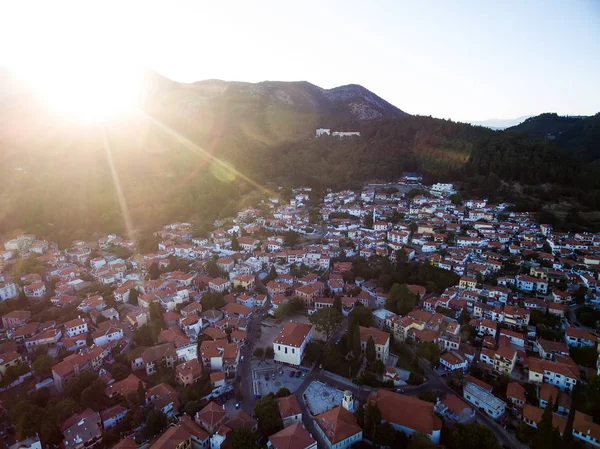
<point>337,424</point>
<point>406,411</point>
<point>379,337</point>
<point>288,406</point>
<point>292,437</point>
<point>211,414</point>
<point>293,334</point>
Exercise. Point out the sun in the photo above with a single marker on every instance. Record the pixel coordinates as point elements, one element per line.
<point>89,92</point>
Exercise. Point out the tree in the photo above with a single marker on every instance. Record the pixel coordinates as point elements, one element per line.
<point>154,271</point>
<point>235,244</point>
<point>327,320</point>
<point>400,300</point>
<point>143,336</point>
<point>119,371</point>
<point>93,396</point>
<point>580,294</point>
<point>243,439</point>
<point>356,344</point>
<point>547,436</point>
<point>337,304</point>
<point>259,352</point>
<point>369,221</point>
<point>269,352</point>
<point>471,436</point>
<point>370,351</point>
<point>291,238</point>
<point>282,392</point>
<point>428,396</point>
<point>156,421</point>
<point>75,385</point>
<point>430,351</point>
<point>372,421</point>
<point>141,392</point>
<point>386,435</point>
<point>267,414</point>
<point>359,414</point>
<point>42,365</point>
<point>133,296</point>
<point>271,276</point>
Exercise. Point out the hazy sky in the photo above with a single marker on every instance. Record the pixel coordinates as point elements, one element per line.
<point>465,60</point>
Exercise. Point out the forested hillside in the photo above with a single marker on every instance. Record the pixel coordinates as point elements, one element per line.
<point>69,181</point>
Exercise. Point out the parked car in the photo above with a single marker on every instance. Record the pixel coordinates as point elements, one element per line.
<point>299,373</point>
<point>291,374</point>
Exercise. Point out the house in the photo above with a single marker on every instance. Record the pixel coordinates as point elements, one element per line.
<point>123,387</point>
<point>338,428</point>
<point>164,398</point>
<point>219,285</point>
<point>15,319</point>
<point>289,409</point>
<point>504,360</point>
<point>211,417</point>
<point>380,338</point>
<point>186,434</point>
<point>107,334</point>
<point>455,410</point>
<point>480,394</point>
<point>515,393</point>
<point>550,349</point>
<point>76,327</point>
<point>49,338</point>
<point>8,290</point>
<point>488,327</point>
<point>35,290</point>
<point>453,361</point>
<point>112,416</point>
<point>8,359</point>
<point>407,414</point>
<point>546,393</point>
<point>245,281</point>
<point>290,343</point>
<point>563,373</point>
<point>294,436</point>
<point>151,356</point>
<point>220,356</point>
<point>82,430</point>
<point>188,373</point>
<point>577,338</point>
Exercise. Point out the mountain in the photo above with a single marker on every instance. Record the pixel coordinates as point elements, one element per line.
<point>204,150</point>
<point>499,124</point>
<point>269,111</point>
<point>577,134</point>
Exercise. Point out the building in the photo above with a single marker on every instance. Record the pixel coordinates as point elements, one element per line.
<point>76,327</point>
<point>289,409</point>
<point>504,360</point>
<point>211,417</point>
<point>453,361</point>
<point>577,338</point>
<point>381,339</point>
<point>8,291</point>
<point>407,414</point>
<point>82,430</point>
<point>290,343</point>
<point>15,319</point>
<point>294,436</point>
<point>338,428</point>
<point>480,394</point>
<point>188,373</point>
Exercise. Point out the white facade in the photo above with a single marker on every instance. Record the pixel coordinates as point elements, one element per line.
<point>8,291</point>
<point>484,400</point>
<point>291,355</point>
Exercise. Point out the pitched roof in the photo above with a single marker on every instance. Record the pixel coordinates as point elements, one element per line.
<point>292,437</point>
<point>379,337</point>
<point>515,390</point>
<point>337,424</point>
<point>122,387</point>
<point>406,411</point>
<point>211,414</point>
<point>288,406</point>
<point>293,334</point>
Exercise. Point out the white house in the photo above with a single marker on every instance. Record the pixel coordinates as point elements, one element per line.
<point>480,394</point>
<point>104,336</point>
<point>290,343</point>
<point>8,291</point>
<point>76,327</point>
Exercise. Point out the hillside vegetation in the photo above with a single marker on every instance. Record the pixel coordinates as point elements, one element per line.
<point>195,157</point>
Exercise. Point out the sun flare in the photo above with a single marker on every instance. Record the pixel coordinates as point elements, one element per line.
<point>90,92</point>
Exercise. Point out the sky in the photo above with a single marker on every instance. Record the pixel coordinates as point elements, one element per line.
<point>464,60</point>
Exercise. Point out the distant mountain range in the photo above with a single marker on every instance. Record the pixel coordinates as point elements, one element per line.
<point>499,124</point>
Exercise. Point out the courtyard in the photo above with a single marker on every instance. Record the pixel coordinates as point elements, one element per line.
<point>269,377</point>
<point>320,397</point>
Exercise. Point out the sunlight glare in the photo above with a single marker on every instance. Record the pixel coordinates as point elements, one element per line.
<point>90,92</point>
